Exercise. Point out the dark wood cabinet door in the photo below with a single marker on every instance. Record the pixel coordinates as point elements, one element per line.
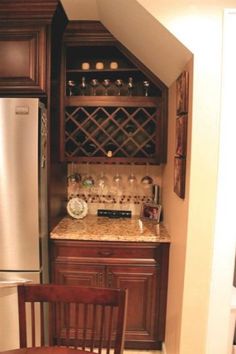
<point>140,268</point>
<point>80,274</point>
<point>23,60</point>
<point>142,285</point>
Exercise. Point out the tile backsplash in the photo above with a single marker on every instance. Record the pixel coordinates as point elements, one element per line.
<point>115,187</point>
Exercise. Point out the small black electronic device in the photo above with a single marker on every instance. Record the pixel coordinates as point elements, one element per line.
<point>114,213</point>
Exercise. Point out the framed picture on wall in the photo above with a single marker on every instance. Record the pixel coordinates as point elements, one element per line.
<point>182,93</point>
<point>179,176</point>
<point>181,136</point>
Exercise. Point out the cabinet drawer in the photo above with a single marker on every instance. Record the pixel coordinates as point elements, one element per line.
<point>77,249</point>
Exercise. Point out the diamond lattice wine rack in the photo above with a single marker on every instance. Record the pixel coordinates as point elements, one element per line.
<point>114,130</point>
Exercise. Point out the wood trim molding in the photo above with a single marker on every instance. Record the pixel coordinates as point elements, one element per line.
<point>23,10</point>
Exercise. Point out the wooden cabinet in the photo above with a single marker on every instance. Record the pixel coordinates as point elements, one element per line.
<point>23,59</point>
<point>113,109</point>
<point>26,33</point>
<point>139,267</point>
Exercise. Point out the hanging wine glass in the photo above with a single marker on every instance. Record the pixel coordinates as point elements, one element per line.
<point>71,85</point>
<point>130,86</point>
<point>83,86</point>
<point>119,84</point>
<point>102,181</point>
<point>94,83</point>
<point>131,178</point>
<point>73,181</point>
<point>88,180</point>
<point>106,83</point>
<point>146,180</point>
<point>146,85</point>
<point>117,179</point>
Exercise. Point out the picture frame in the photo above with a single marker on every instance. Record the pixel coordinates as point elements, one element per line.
<point>182,83</point>
<point>181,136</point>
<point>151,211</point>
<point>179,176</point>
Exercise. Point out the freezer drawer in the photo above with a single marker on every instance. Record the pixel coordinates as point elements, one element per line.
<point>9,338</point>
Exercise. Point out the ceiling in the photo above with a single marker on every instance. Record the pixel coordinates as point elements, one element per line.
<point>141,33</point>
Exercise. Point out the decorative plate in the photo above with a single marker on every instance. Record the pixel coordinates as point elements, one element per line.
<point>77,208</point>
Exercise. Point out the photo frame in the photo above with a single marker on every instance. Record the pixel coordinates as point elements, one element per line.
<point>179,176</point>
<point>182,93</point>
<point>181,136</point>
<point>151,211</point>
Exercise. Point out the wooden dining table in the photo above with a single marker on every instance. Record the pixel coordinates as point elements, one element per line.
<point>46,350</point>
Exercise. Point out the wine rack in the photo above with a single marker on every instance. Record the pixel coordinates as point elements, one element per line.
<point>111,131</point>
<point>112,111</point>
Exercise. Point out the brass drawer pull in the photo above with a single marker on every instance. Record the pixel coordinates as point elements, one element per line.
<point>105,253</point>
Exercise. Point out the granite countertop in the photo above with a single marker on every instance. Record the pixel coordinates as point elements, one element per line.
<point>93,228</point>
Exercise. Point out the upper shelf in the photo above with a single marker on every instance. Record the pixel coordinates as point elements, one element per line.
<point>114,101</point>
<point>123,70</point>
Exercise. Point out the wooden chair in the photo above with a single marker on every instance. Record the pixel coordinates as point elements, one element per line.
<point>72,316</point>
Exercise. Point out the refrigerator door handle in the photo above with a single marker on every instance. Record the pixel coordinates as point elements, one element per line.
<point>13,282</point>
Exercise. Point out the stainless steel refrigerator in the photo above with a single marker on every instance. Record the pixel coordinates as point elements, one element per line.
<point>23,206</point>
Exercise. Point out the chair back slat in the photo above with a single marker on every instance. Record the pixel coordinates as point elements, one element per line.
<point>33,323</point>
<point>80,317</point>
<point>42,326</point>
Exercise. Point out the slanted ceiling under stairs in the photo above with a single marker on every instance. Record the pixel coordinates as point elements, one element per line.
<point>138,31</point>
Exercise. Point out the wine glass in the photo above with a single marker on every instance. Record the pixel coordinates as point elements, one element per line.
<point>102,180</point>
<point>146,85</point>
<point>106,83</point>
<point>88,181</point>
<point>73,180</point>
<point>117,178</point>
<point>130,86</point>
<point>119,84</point>
<point>131,178</point>
<point>146,180</point>
<point>94,83</point>
<point>71,85</point>
<point>83,86</point>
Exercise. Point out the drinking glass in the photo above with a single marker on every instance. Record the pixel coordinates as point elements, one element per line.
<point>130,86</point>
<point>131,178</point>
<point>146,180</point>
<point>94,83</point>
<point>106,83</point>
<point>83,86</point>
<point>119,84</point>
<point>146,85</point>
<point>71,85</point>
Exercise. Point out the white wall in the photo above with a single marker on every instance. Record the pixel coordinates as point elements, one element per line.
<point>199,27</point>
<point>176,221</point>
<point>219,339</point>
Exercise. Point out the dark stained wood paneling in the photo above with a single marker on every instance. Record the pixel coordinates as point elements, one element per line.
<point>23,59</point>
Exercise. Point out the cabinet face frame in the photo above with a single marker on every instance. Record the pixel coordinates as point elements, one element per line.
<point>24,49</point>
